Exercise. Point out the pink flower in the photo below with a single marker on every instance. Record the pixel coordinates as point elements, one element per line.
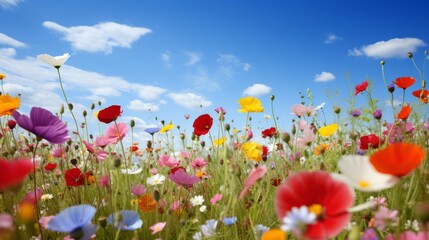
<point>198,163</point>
<point>181,178</point>
<point>254,176</point>
<point>157,227</point>
<point>101,141</point>
<point>138,190</point>
<point>301,110</point>
<point>409,235</point>
<point>216,198</point>
<point>6,221</point>
<point>153,171</point>
<point>175,205</point>
<point>104,181</point>
<point>185,154</point>
<point>220,110</point>
<point>307,138</point>
<point>45,220</point>
<point>58,152</point>
<point>89,146</point>
<point>385,217</point>
<point>187,116</point>
<point>168,161</point>
<point>101,155</point>
<point>116,132</point>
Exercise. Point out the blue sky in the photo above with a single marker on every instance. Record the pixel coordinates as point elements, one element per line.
<point>173,56</point>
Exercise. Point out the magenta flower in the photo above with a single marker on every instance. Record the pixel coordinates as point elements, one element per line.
<point>198,163</point>
<point>181,178</point>
<point>409,235</point>
<point>105,181</point>
<point>168,161</point>
<point>44,124</point>
<point>216,198</point>
<point>220,110</point>
<point>138,190</point>
<point>385,217</point>
<point>116,132</point>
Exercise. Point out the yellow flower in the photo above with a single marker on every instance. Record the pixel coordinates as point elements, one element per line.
<point>327,131</point>
<point>2,76</point>
<point>274,234</point>
<point>219,141</point>
<point>166,128</point>
<point>253,150</point>
<point>250,104</point>
<point>8,105</point>
<point>321,149</point>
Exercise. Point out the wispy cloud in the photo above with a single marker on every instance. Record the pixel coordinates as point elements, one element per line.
<point>190,100</point>
<point>193,58</point>
<point>396,103</point>
<point>331,38</point>
<point>6,40</point>
<point>257,89</point>
<point>102,37</point>
<point>138,105</point>
<point>324,77</point>
<point>229,64</point>
<point>202,80</point>
<point>166,58</point>
<point>9,3</point>
<point>393,48</point>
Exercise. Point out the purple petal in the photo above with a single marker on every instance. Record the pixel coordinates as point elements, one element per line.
<point>72,218</point>
<point>23,121</point>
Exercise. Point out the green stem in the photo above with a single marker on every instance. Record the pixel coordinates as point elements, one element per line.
<point>35,187</point>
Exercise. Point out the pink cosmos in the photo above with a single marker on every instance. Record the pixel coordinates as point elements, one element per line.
<point>385,217</point>
<point>198,163</point>
<point>168,161</point>
<point>58,152</point>
<point>44,220</point>
<point>185,154</point>
<point>138,190</point>
<point>89,146</point>
<point>302,125</point>
<point>101,155</point>
<point>410,235</point>
<point>308,137</point>
<point>116,132</point>
<point>175,205</point>
<point>301,110</point>
<point>6,221</point>
<point>181,178</point>
<point>254,176</point>
<point>153,171</point>
<point>101,141</point>
<point>105,181</point>
<point>216,198</point>
<point>157,227</point>
<point>398,131</point>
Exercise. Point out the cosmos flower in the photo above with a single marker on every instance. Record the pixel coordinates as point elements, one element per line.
<point>181,178</point>
<point>220,110</point>
<point>198,163</point>
<point>361,87</point>
<point>254,176</point>
<point>250,104</point>
<point>125,220</point>
<point>133,170</point>
<point>116,132</point>
<point>56,61</point>
<point>156,179</point>
<point>44,124</point>
<point>109,114</point>
<point>216,198</point>
<point>300,110</point>
<point>327,198</point>
<point>385,217</point>
<point>13,172</point>
<point>360,174</point>
<point>76,221</point>
<point>8,105</point>
<point>398,159</point>
<point>157,227</point>
<point>202,124</point>
<point>138,190</point>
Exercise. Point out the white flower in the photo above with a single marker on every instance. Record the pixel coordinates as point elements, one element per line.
<point>134,170</point>
<point>197,200</point>
<point>361,174</point>
<point>203,208</point>
<point>155,180</point>
<point>45,197</point>
<point>56,61</point>
<point>297,219</point>
<point>320,106</point>
<point>207,230</point>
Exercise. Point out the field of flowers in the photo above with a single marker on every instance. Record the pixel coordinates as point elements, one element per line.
<point>362,176</point>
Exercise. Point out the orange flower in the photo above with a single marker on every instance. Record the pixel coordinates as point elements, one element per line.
<point>404,82</point>
<point>147,203</point>
<point>2,76</point>
<point>274,234</point>
<point>8,105</point>
<point>404,113</point>
<point>398,159</point>
<point>321,149</point>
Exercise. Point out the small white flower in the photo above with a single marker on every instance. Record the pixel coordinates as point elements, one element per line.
<point>56,61</point>
<point>297,219</point>
<point>320,106</point>
<point>157,179</point>
<point>134,170</point>
<point>197,200</point>
<point>46,197</point>
<point>203,208</point>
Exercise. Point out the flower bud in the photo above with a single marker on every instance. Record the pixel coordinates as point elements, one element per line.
<point>272,97</point>
<point>117,163</point>
<point>182,136</point>
<point>62,109</point>
<point>84,113</point>
<point>70,106</point>
<point>149,144</point>
<point>410,54</point>
<point>92,106</point>
<point>227,127</point>
<point>286,137</point>
<point>391,88</point>
<point>203,144</point>
<point>156,195</point>
<point>337,110</point>
<point>73,161</point>
<point>11,124</point>
<point>382,62</point>
<point>132,123</point>
<point>99,103</point>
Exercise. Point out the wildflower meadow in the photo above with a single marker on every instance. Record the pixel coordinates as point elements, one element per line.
<point>356,171</point>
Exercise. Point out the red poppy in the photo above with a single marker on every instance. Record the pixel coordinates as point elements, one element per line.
<point>74,177</point>
<point>398,159</point>
<point>422,94</point>
<point>404,82</point>
<point>109,114</point>
<point>326,197</point>
<point>269,132</point>
<point>202,124</point>
<point>369,140</point>
<point>175,169</point>
<point>404,113</point>
<point>361,87</point>
<point>13,172</point>
<point>50,166</point>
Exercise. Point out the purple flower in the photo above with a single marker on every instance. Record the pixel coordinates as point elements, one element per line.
<point>138,190</point>
<point>181,178</point>
<point>152,131</point>
<point>76,221</point>
<point>385,217</point>
<point>356,112</point>
<point>125,220</point>
<point>391,88</point>
<point>369,234</point>
<point>377,114</point>
<point>43,124</point>
<point>229,220</point>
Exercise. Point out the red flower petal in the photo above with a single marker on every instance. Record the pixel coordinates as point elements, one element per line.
<point>202,124</point>
<point>404,82</point>
<point>361,87</point>
<point>109,114</point>
<point>13,172</point>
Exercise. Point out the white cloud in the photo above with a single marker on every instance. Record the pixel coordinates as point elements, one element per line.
<point>396,103</point>
<point>148,92</point>
<point>246,67</point>
<point>393,48</point>
<point>229,63</point>
<point>102,37</point>
<point>166,58</point>
<point>6,40</point>
<point>202,80</point>
<point>331,38</point>
<point>257,89</point>
<point>324,77</point>
<point>10,52</point>
<point>138,105</point>
<point>9,3</point>
<point>190,100</point>
<point>193,58</point>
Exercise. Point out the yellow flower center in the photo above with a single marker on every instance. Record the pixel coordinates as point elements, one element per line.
<point>316,209</point>
<point>364,184</point>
